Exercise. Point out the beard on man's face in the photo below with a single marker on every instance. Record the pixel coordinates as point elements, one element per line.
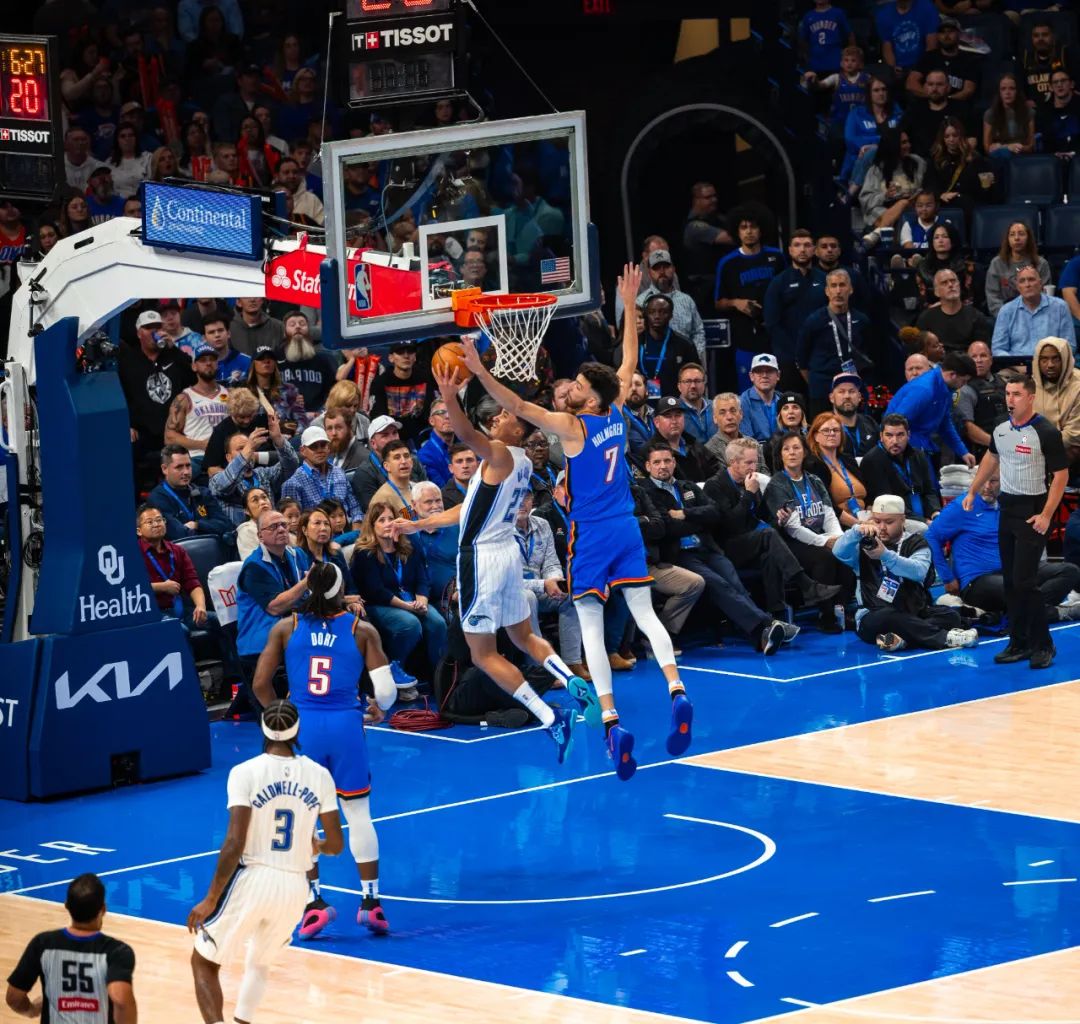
<point>298,349</point>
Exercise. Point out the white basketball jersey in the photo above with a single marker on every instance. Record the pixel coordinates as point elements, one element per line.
<point>205,413</point>
<point>286,796</point>
<point>489,510</point>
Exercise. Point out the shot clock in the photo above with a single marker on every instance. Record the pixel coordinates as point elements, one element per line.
<point>31,147</point>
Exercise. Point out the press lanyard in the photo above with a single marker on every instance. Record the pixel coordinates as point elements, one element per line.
<point>285,584</point>
<point>548,480</point>
<point>526,555</point>
<point>377,463</point>
<point>324,489</point>
<point>805,500</point>
<point>852,503</point>
<point>904,472</point>
<point>853,436</point>
<point>177,601</point>
<point>659,359</point>
<point>836,335</point>
<point>399,571</point>
<point>180,501</point>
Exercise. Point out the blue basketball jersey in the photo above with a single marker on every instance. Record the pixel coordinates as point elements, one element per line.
<point>597,484</point>
<point>323,664</point>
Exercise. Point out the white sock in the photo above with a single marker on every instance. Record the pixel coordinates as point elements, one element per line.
<point>370,887</point>
<point>591,616</point>
<point>558,668</point>
<point>528,697</point>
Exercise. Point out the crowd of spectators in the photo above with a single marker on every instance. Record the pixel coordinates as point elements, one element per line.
<point>864,375</point>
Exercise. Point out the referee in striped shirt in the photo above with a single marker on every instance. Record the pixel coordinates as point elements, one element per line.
<point>1034,471</point>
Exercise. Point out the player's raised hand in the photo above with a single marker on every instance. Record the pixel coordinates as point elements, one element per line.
<point>449,383</point>
<point>403,526</point>
<point>629,284</point>
<point>472,357</point>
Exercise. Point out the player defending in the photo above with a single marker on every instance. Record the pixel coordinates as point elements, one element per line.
<point>489,571</point>
<point>605,548</point>
<point>326,649</point>
<point>260,885</point>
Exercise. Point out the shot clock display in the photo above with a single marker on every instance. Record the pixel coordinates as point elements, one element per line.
<point>24,82</point>
<point>357,9</point>
<point>31,153</point>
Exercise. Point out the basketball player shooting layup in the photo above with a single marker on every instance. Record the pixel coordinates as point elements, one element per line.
<point>489,570</point>
<point>260,884</point>
<point>605,548</point>
<point>326,649</point>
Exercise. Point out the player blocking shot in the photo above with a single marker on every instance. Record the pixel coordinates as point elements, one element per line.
<point>326,649</point>
<point>489,567</point>
<point>260,887</point>
<point>605,548</point>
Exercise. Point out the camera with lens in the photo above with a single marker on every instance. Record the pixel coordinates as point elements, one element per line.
<point>96,353</point>
<point>869,540</point>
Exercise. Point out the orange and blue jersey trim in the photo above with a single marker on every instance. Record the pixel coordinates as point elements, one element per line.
<point>353,794</point>
<point>632,581</point>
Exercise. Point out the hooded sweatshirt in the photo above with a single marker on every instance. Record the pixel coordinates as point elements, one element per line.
<point>1059,402</point>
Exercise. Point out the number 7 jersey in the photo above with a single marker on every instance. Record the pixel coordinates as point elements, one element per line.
<point>597,478</point>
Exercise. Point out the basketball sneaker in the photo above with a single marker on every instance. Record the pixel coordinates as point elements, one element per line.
<point>889,642</point>
<point>682,717</point>
<point>585,695</point>
<point>317,915</point>
<point>371,916</point>
<point>562,731</point>
<point>961,638</point>
<point>620,747</point>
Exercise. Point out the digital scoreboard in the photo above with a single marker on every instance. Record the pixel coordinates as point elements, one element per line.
<point>403,51</point>
<point>31,146</point>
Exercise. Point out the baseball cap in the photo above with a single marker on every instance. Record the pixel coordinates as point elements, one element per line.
<point>889,505</point>
<point>403,346</point>
<point>128,107</point>
<point>763,360</point>
<point>251,69</point>
<point>313,435</point>
<point>948,22</point>
<point>203,349</point>
<point>380,423</point>
<point>168,304</point>
<point>264,352</point>
<point>151,318</point>
<point>791,398</point>
<point>667,406</point>
<point>847,378</point>
<point>103,169</point>
<point>659,256</point>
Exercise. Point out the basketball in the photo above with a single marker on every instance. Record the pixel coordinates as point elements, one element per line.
<point>451,356</point>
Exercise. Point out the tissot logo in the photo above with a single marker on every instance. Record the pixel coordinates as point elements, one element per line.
<point>24,135</point>
<point>398,38</point>
<point>371,40</point>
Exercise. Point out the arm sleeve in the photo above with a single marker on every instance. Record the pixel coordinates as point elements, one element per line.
<point>846,549</point>
<point>417,575</point>
<point>1052,445</point>
<point>949,432</point>
<point>999,344</point>
<point>291,488</point>
<point>795,529</point>
<point>288,462</point>
<point>28,969</point>
<point>222,482</point>
<point>965,405</point>
<point>913,567</point>
<point>120,964</point>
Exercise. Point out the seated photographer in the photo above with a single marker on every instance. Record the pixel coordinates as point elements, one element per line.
<point>893,569</point>
<point>801,506</point>
<point>545,582</point>
<point>439,547</point>
<point>972,568</point>
<point>689,519</point>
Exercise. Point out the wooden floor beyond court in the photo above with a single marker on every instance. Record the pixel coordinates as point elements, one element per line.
<point>854,837</point>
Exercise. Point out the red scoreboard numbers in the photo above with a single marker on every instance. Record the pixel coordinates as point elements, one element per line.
<point>24,91</point>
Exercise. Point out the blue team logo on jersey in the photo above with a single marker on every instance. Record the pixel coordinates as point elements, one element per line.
<point>475,620</point>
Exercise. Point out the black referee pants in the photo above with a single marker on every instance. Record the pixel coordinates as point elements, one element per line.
<point>1021,550</point>
<point>1055,581</point>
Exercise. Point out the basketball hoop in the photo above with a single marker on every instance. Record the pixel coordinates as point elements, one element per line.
<point>515,324</point>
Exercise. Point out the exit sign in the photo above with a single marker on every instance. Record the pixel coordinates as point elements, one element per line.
<point>597,7</point>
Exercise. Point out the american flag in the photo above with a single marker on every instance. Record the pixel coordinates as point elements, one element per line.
<point>555,271</point>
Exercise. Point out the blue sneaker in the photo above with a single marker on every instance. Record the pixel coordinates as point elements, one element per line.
<point>402,679</point>
<point>682,718</point>
<point>562,731</point>
<point>620,746</point>
<point>585,695</point>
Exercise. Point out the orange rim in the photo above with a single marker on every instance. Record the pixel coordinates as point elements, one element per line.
<point>469,303</point>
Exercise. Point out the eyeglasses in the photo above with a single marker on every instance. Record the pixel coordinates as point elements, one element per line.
<point>693,380</point>
<point>829,430</point>
<point>439,412</point>
<point>537,444</point>
<point>274,527</point>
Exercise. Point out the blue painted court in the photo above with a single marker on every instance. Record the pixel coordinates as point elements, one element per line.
<point>706,894</point>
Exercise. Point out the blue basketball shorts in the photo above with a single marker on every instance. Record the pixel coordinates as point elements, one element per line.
<point>605,555</point>
<point>335,739</point>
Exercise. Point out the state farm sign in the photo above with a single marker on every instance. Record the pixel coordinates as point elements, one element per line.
<point>294,277</point>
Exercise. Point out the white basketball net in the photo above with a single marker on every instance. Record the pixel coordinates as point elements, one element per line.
<point>516,332</point>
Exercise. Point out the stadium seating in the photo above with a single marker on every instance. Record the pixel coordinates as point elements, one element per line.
<point>1061,231</point>
<point>1035,179</point>
<point>991,222</point>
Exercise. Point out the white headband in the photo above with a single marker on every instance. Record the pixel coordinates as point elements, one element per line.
<point>336,588</point>
<point>281,735</point>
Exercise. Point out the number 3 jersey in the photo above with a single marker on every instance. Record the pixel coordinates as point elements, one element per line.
<point>286,796</point>
<point>75,973</point>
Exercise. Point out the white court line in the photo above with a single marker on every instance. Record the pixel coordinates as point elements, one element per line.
<point>115,871</point>
<point>1041,881</point>
<point>727,672</point>
<point>798,1002</point>
<point>1039,863</point>
<point>736,949</point>
<point>792,920</point>
<point>736,977</point>
<point>633,952</point>
<point>557,1000</point>
<point>901,896</point>
<point>434,734</point>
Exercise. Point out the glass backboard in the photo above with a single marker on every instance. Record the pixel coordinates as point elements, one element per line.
<point>500,205</point>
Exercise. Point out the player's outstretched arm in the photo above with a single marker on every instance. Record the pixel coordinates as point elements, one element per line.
<point>228,858</point>
<point>449,386</point>
<point>629,283</point>
<point>448,517</point>
<point>262,685</point>
<point>565,426</point>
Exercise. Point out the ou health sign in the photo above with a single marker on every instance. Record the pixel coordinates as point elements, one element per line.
<point>203,221</point>
<point>294,277</point>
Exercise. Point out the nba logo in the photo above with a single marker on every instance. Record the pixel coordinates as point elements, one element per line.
<point>363,287</point>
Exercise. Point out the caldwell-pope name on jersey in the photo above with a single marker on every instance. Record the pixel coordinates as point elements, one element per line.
<point>265,795</point>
